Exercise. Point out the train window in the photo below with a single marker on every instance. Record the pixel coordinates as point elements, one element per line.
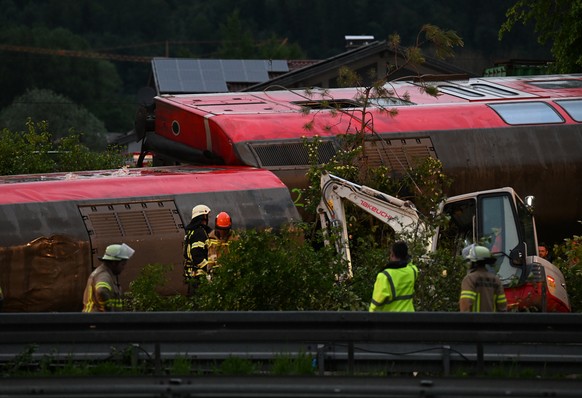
<point>328,104</point>
<point>553,84</point>
<point>462,92</point>
<point>573,107</point>
<point>389,101</point>
<point>527,113</point>
<point>492,90</point>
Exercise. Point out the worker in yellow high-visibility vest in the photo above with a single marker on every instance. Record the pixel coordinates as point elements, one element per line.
<point>395,284</point>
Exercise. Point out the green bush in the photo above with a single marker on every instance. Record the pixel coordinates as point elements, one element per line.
<point>276,271</point>
<point>143,292</point>
<point>34,151</point>
<point>234,366</point>
<point>568,258</point>
<point>285,365</point>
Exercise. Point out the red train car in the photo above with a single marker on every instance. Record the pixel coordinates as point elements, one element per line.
<point>55,226</point>
<point>524,132</point>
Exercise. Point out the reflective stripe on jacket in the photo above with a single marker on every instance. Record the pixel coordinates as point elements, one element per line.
<point>484,290</point>
<point>102,293</point>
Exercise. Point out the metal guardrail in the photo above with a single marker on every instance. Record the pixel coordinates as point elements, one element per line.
<point>286,387</point>
<point>331,336</point>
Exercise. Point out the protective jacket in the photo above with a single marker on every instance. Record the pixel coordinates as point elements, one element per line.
<point>196,249</point>
<point>485,291</point>
<point>103,292</point>
<point>394,288</point>
<point>218,246</point>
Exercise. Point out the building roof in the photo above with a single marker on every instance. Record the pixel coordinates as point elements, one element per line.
<point>379,52</point>
<point>187,75</point>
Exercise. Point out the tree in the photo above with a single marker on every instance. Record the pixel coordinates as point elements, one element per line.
<point>556,21</point>
<point>93,83</point>
<point>62,115</point>
<point>238,42</point>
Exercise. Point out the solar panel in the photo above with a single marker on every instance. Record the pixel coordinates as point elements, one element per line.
<point>180,76</point>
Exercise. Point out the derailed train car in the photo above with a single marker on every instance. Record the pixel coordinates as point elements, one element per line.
<point>524,132</point>
<point>56,226</point>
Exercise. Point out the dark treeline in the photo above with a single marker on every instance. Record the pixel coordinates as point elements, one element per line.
<point>242,29</point>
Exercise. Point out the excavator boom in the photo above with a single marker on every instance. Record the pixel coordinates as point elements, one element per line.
<point>400,215</point>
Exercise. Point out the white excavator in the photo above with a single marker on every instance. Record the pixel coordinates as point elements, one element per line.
<point>498,218</point>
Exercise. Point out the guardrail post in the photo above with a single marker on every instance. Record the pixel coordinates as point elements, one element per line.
<point>157,359</point>
<point>447,360</point>
<point>134,355</point>
<point>351,358</point>
<point>480,359</point>
<point>321,359</point>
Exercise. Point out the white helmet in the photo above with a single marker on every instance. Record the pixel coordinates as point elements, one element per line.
<point>118,252</point>
<point>200,210</point>
<point>475,253</point>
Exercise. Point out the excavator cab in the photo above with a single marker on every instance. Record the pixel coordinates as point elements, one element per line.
<point>499,220</point>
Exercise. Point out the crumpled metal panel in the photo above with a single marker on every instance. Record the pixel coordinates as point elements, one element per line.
<point>44,274</point>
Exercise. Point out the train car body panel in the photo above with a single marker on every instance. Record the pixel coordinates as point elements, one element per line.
<point>524,132</point>
<point>56,226</point>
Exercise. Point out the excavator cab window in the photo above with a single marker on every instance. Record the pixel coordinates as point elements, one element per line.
<point>490,220</point>
<point>529,231</point>
<point>498,230</point>
<point>459,231</point>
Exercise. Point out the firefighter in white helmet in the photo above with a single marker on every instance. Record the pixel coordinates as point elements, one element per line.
<point>103,291</point>
<point>481,289</point>
<point>196,247</point>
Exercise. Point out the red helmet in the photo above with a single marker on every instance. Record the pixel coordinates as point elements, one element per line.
<point>222,221</point>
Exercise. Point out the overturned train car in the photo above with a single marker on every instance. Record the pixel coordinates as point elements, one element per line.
<point>524,132</point>
<point>55,226</point>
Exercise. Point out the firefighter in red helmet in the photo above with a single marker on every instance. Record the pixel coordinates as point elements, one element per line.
<point>220,237</point>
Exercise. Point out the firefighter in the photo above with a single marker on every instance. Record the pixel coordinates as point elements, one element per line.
<point>103,291</point>
<point>394,287</point>
<point>196,243</point>
<point>220,238</point>
<point>481,289</point>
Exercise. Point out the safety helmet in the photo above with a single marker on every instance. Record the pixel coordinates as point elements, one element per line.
<point>222,220</point>
<point>475,253</point>
<point>200,210</point>
<point>118,252</point>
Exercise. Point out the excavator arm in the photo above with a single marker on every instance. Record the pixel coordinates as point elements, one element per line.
<point>400,215</point>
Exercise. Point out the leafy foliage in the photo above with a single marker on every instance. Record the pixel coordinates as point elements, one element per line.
<point>143,294</point>
<point>235,366</point>
<point>35,151</point>
<point>302,364</point>
<point>568,257</point>
<point>556,21</point>
<point>276,271</point>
